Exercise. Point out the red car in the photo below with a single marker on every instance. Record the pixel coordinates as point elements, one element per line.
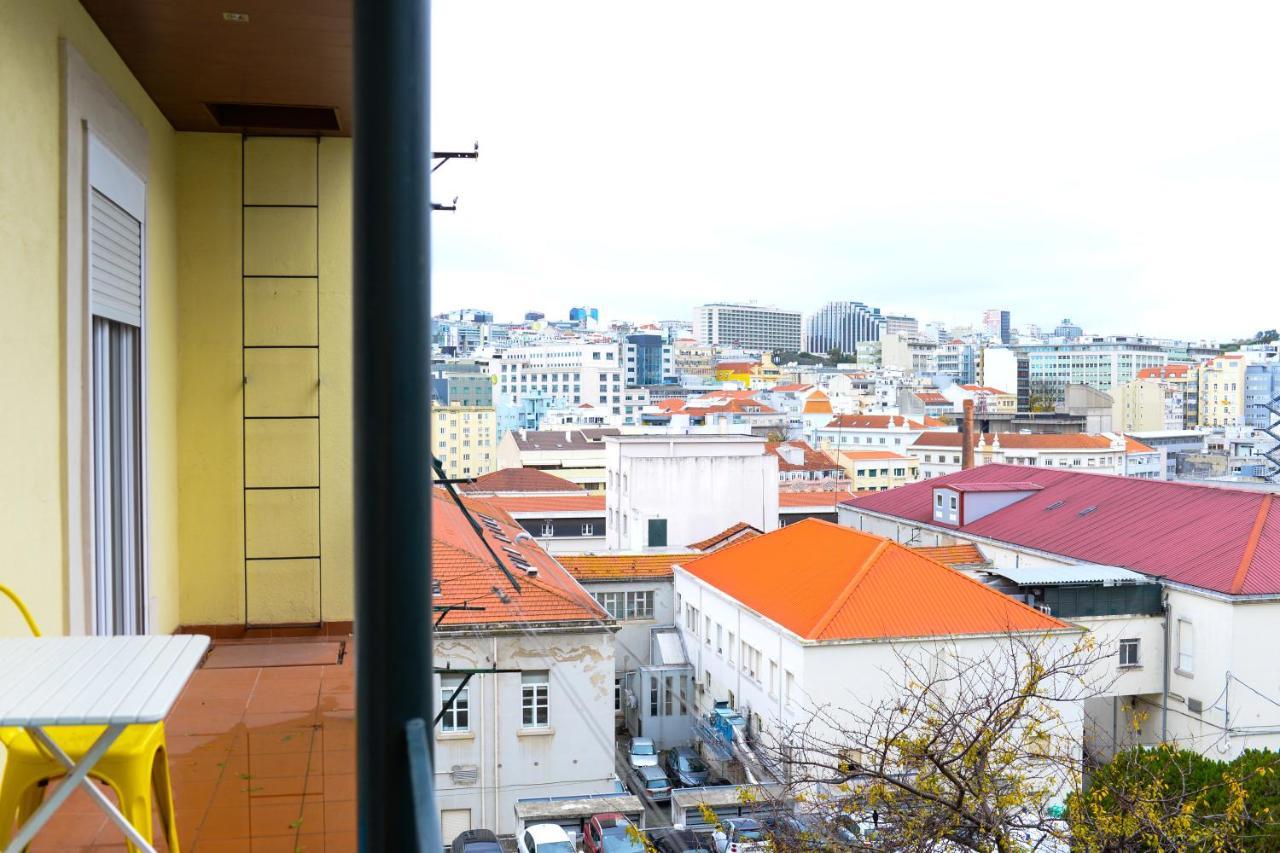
<point>611,833</point>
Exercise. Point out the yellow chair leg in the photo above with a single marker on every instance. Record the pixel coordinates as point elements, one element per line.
<point>164,798</point>
<point>10,798</point>
<point>135,805</point>
<point>31,800</point>
<point>20,796</point>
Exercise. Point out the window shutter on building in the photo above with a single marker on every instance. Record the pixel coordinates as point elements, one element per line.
<point>115,261</point>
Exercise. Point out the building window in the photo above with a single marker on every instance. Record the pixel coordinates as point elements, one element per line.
<point>657,533</point>
<point>588,529</point>
<point>534,704</point>
<point>1186,647</point>
<point>611,602</point>
<point>708,627</point>
<point>455,717</point>
<point>617,696</point>
<point>790,695</point>
<point>639,604</point>
<point>548,528</point>
<point>1129,652</point>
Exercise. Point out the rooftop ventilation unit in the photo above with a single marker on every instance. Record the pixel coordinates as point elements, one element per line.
<point>1055,505</point>
<point>1086,510</point>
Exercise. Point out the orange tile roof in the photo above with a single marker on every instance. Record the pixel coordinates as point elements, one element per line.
<point>986,389</point>
<point>966,554</point>
<point>733,404</point>
<point>741,530</point>
<point>814,460</point>
<point>814,499</point>
<point>795,386</point>
<point>520,480</point>
<point>620,567</point>
<point>591,504</point>
<point>814,406</point>
<point>467,573</point>
<point>822,581</point>
<point>881,422</point>
<point>933,398</point>
<point>1168,371</point>
<point>738,365</point>
<point>1132,445</point>
<point>1021,441</point>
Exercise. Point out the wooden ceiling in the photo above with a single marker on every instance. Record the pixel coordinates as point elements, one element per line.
<point>187,56</point>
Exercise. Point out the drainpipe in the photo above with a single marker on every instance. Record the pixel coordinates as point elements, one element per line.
<point>966,439</point>
<point>1164,704</point>
<point>392,410</point>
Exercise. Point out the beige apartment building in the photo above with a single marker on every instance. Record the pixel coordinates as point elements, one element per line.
<point>1222,391</point>
<point>464,439</point>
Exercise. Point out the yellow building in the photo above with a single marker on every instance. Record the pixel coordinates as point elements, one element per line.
<point>464,439</point>
<point>742,372</point>
<point>1222,391</point>
<point>1139,406</point>
<point>875,470</point>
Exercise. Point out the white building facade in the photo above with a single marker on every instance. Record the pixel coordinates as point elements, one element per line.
<point>751,327</point>
<point>666,491</point>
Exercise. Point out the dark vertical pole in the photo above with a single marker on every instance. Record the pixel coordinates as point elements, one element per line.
<point>392,463</point>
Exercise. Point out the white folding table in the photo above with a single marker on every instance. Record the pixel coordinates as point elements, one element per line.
<point>90,681</point>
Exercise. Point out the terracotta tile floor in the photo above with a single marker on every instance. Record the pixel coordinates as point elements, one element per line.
<point>263,759</point>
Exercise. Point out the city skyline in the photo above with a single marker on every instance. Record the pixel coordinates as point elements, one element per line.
<point>827,156</point>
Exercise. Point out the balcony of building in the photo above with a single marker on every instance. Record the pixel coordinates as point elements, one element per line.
<point>182,354</point>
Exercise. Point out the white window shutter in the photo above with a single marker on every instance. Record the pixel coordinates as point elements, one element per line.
<point>115,262</point>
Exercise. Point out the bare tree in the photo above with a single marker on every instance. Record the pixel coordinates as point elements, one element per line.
<point>980,748</point>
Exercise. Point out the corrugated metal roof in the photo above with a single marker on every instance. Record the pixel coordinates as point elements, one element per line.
<point>1056,575</point>
<point>1192,534</point>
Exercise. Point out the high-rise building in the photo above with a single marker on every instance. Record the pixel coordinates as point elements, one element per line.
<point>901,324</point>
<point>1101,362</point>
<point>751,327</point>
<point>996,321</point>
<point>648,360</point>
<point>534,316</point>
<point>584,317</point>
<point>842,326</point>
<point>1067,329</point>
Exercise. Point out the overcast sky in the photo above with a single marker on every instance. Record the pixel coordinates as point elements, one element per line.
<point>1115,163</point>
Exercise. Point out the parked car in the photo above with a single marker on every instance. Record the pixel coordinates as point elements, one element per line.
<point>740,835</point>
<point>652,783</point>
<point>678,840</point>
<point>642,752</point>
<point>611,833</point>
<point>476,841</point>
<point>545,838</point>
<point>685,767</point>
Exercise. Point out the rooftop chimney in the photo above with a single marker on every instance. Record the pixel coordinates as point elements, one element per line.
<point>966,440</point>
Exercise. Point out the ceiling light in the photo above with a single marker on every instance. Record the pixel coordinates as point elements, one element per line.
<point>236,17</point>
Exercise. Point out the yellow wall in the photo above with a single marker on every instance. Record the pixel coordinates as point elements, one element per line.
<point>217,585</point>
<point>210,397</point>
<point>34,523</point>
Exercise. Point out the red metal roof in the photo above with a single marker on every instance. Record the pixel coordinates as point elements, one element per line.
<point>822,581</point>
<point>1223,539</point>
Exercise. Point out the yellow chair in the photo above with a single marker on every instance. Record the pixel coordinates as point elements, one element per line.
<point>135,764</point>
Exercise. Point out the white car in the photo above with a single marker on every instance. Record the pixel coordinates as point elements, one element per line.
<point>545,838</point>
<point>643,753</point>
